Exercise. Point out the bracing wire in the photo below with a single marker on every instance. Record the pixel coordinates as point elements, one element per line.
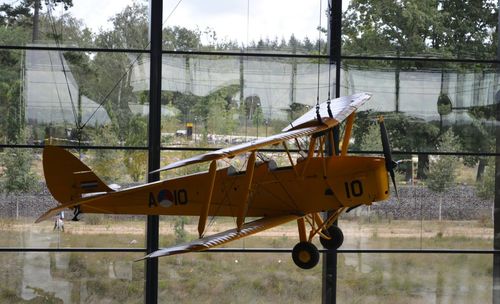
<point>319,60</point>
<point>129,68</point>
<point>329,61</point>
<point>58,43</point>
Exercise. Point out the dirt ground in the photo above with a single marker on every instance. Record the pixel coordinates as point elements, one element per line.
<point>400,229</point>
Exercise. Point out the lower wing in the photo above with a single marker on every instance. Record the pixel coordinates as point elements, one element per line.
<point>224,237</point>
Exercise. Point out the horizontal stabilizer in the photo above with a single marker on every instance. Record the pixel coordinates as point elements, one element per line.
<point>50,213</point>
<point>224,237</point>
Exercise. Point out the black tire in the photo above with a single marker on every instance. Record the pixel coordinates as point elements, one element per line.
<point>305,255</point>
<point>337,238</point>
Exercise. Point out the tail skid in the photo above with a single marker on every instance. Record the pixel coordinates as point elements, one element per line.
<point>50,213</point>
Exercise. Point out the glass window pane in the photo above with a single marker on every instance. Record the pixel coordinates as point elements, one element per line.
<point>228,100</point>
<point>448,208</point>
<point>248,277</point>
<point>24,197</point>
<point>446,29</point>
<point>115,24</point>
<point>73,98</point>
<point>421,101</point>
<point>49,277</point>
<point>253,26</point>
<point>414,278</point>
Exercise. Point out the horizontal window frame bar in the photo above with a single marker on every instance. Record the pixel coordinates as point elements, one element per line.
<point>9,146</point>
<point>249,54</point>
<point>244,54</point>
<point>72,49</point>
<point>263,250</point>
<point>75,249</point>
<point>204,149</point>
<point>370,251</point>
<point>419,59</point>
<point>166,52</point>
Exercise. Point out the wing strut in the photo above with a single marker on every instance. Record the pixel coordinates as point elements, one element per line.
<point>247,183</point>
<point>290,158</point>
<point>310,154</point>
<point>347,133</point>
<point>302,229</point>
<point>206,205</point>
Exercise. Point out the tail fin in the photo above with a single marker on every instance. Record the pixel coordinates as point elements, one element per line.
<point>67,177</point>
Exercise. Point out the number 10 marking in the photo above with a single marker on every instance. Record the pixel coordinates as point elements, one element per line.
<point>354,188</point>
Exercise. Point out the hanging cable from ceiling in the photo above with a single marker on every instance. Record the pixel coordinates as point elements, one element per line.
<point>319,62</point>
<point>329,69</point>
<point>129,68</point>
<point>57,38</point>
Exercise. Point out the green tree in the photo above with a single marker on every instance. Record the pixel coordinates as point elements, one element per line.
<point>180,38</point>
<point>476,138</point>
<point>179,231</point>
<point>136,161</point>
<point>442,172</point>
<point>420,27</point>
<point>372,140</point>
<point>412,134</point>
<point>15,15</point>
<point>485,187</point>
<point>108,164</point>
<point>467,27</point>
<point>221,99</point>
<point>26,13</point>
<point>406,134</point>
<point>18,176</point>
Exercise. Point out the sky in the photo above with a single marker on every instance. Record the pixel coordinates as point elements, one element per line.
<point>240,20</point>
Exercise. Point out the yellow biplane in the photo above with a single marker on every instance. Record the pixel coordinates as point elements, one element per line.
<point>315,182</point>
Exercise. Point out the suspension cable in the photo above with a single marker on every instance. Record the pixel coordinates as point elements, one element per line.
<point>101,103</point>
<point>319,62</point>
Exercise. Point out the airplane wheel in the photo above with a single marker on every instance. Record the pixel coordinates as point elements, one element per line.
<point>337,238</point>
<point>305,255</point>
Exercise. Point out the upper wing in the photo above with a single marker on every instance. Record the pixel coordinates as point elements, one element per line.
<point>340,108</point>
<point>224,237</point>
<point>305,125</point>
<point>244,147</point>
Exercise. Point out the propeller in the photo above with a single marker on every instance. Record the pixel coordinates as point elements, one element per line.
<point>390,164</point>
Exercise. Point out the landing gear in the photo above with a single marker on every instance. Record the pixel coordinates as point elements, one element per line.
<point>336,238</point>
<point>305,255</point>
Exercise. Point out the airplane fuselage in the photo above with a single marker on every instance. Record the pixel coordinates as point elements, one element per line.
<point>314,184</point>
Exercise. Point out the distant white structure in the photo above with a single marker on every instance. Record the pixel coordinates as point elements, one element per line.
<point>279,82</point>
<point>51,93</point>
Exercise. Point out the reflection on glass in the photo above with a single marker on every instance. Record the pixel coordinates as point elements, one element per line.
<point>24,197</point>
<point>71,277</point>
<point>242,277</point>
<point>116,24</point>
<point>93,230</point>
<point>380,29</point>
<point>414,278</point>
<point>72,98</point>
<point>255,26</point>
<point>458,215</point>
<point>421,101</point>
<point>228,100</point>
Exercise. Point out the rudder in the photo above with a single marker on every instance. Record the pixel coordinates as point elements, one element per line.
<point>67,177</point>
